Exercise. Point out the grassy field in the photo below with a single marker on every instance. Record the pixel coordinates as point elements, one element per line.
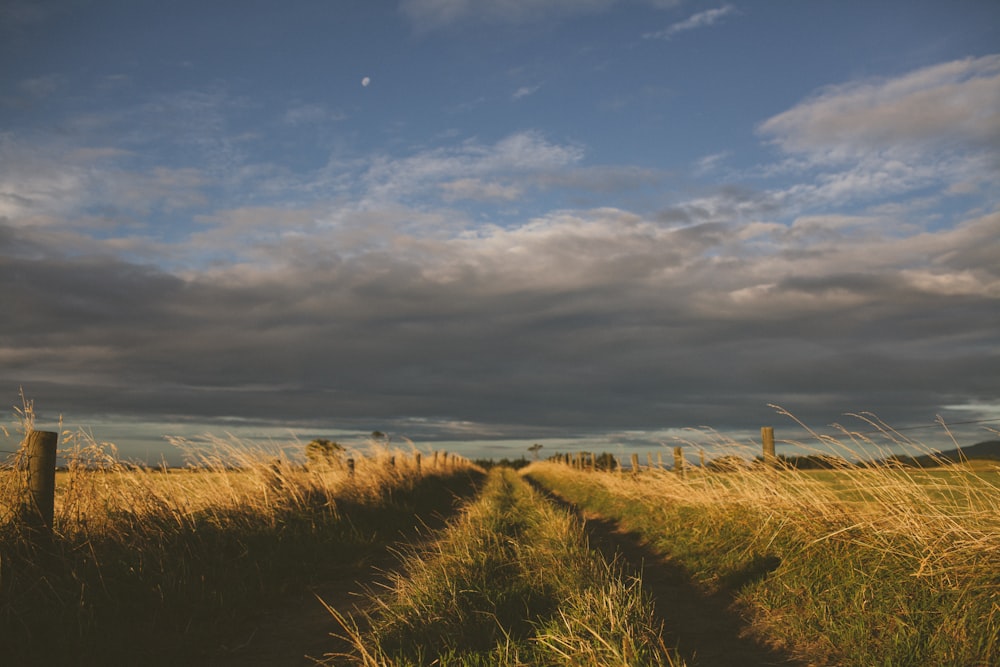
<point>511,582</point>
<point>154,567</point>
<point>849,567</point>
<point>878,564</point>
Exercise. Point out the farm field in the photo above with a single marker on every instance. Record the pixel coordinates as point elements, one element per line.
<point>187,566</point>
<point>250,558</point>
<point>859,567</point>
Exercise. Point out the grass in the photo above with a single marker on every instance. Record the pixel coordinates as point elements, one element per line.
<point>154,567</point>
<point>860,566</point>
<point>511,582</point>
<point>875,564</point>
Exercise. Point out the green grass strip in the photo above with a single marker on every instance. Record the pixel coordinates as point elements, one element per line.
<point>511,582</point>
<point>810,576</point>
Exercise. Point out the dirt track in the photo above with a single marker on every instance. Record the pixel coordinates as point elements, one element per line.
<point>704,629</point>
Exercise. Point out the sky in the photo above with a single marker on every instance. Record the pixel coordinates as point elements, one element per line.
<point>584,223</point>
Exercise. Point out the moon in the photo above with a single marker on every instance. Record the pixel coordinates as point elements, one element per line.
<point>365,81</point>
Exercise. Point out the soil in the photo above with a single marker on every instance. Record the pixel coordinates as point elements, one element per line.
<point>300,631</point>
<point>705,629</point>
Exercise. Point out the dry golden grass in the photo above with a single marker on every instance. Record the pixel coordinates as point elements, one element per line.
<point>155,566</point>
<point>877,564</point>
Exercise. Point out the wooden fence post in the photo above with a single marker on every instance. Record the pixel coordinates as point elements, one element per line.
<point>416,461</point>
<point>350,467</point>
<point>767,438</point>
<point>635,465</point>
<point>41,448</point>
<point>679,459</point>
<point>659,460</point>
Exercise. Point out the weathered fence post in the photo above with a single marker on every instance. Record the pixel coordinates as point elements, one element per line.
<point>41,449</point>
<point>679,459</point>
<point>659,460</point>
<point>350,467</point>
<point>635,465</point>
<point>392,461</point>
<point>416,461</point>
<point>767,438</point>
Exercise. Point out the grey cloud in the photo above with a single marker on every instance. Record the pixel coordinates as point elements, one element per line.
<point>435,14</point>
<point>585,322</point>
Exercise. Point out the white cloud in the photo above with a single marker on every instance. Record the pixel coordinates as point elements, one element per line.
<point>700,20</point>
<point>520,154</point>
<point>710,163</point>
<point>934,128</point>
<point>525,91</point>
<point>311,114</point>
<point>475,189</point>
<point>952,103</point>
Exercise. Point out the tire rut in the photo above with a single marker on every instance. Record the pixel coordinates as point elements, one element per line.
<point>705,629</point>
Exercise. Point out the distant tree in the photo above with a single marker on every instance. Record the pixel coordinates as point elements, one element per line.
<point>606,461</point>
<point>534,450</point>
<point>728,463</point>
<point>502,463</point>
<point>321,452</point>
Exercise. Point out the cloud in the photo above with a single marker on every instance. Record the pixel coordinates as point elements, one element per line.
<point>951,104</point>
<point>520,154</point>
<point>364,292</point>
<point>311,114</point>
<point>710,163</point>
<point>431,14</point>
<point>934,128</point>
<point>439,14</point>
<point>591,319</point>
<point>525,91</point>
<point>46,182</point>
<point>700,20</point>
<point>473,188</point>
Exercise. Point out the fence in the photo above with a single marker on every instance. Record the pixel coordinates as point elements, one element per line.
<point>588,461</point>
<point>38,456</point>
<point>39,451</point>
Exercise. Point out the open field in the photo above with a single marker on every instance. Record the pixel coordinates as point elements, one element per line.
<point>250,557</point>
<point>860,567</point>
<point>152,567</point>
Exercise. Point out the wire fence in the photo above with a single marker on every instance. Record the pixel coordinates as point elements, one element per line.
<point>66,459</point>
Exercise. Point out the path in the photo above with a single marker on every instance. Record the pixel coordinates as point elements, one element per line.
<point>705,629</point>
<point>299,631</point>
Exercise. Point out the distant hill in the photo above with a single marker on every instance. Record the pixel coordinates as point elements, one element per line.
<point>988,450</point>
